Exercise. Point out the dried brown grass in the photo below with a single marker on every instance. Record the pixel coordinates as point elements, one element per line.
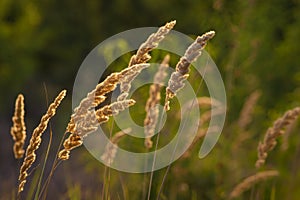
<point>142,55</point>
<point>247,110</point>
<point>248,182</point>
<point>94,119</point>
<point>84,119</point>
<point>178,77</point>
<point>152,111</point>
<point>36,140</point>
<point>273,133</point>
<point>18,130</point>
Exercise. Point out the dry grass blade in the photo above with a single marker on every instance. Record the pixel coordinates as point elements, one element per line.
<point>95,118</point>
<point>111,148</point>
<point>178,77</point>
<point>18,130</point>
<point>36,140</point>
<point>151,108</point>
<point>250,181</point>
<point>273,133</point>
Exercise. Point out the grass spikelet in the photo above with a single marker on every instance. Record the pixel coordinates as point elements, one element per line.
<point>18,130</point>
<point>111,148</point>
<point>127,78</point>
<point>94,119</point>
<point>151,108</point>
<point>178,77</point>
<point>93,99</point>
<point>246,113</point>
<point>250,181</point>
<point>142,55</point>
<point>36,140</point>
<point>273,133</point>
<point>151,43</point>
<point>113,109</point>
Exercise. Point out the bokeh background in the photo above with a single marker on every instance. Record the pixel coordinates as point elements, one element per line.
<point>43,43</point>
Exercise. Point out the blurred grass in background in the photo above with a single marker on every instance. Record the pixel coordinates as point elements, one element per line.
<point>256,47</point>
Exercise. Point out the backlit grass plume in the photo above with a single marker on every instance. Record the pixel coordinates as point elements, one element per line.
<point>151,43</point>
<point>18,130</point>
<point>273,133</point>
<point>36,140</point>
<point>178,77</point>
<point>97,96</point>
<point>247,110</point>
<point>94,119</point>
<point>152,111</point>
<point>142,55</point>
<point>248,182</point>
<point>85,119</point>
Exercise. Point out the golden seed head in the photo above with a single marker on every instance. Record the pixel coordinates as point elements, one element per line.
<point>18,130</point>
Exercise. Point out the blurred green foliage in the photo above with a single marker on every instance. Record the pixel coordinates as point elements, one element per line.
<point>256,47</point>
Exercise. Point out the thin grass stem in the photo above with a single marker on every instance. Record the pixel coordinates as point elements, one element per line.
<point>173,153</point>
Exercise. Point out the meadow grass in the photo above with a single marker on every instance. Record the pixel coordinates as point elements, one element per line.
<point>154,185</point>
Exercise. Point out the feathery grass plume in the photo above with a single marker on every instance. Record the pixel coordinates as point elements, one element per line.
<point>97,96</point>
<point>18,130</point>
<point>178,77</point>
<point>250,181</point>
<point>151,108</point>
<point>151,43</point>
<point>246,113</point>
<point>36,140</point>
<point>111,148</point>
<point>274,132</point>
<point>142,55</point>
<point>94,119</point>
<point>85,119</point>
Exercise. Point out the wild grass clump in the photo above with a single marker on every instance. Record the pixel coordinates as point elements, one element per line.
<point>232,158</point>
